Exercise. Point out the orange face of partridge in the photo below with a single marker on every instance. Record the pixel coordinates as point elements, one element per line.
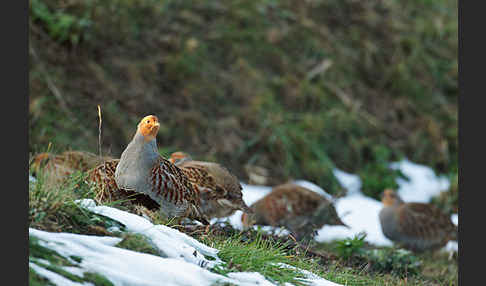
<point>148,127</point>
<point>389,197</point>
<point>177,156</point>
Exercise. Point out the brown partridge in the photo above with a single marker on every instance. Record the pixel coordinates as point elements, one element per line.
<point>415,226</point>
<point>103,177</point>
<point>58,167</point>
<point>143,170</point>
<point>220,190</point>
<point>296,208</point>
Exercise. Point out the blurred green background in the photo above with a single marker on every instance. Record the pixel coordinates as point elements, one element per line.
<point>290,89</point>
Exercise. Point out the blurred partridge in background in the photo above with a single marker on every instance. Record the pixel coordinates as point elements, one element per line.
<point>143,170</point>
<point>296,208</point>
<point>219,189</point>
<point>58,167</point>
<point>415,226</point>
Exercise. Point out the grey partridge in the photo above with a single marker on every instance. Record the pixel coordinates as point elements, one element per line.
<point>415,226</point>
<point>103,177</point>
<point>220,190</point>
<point>143,170</point>
<point>294,207</point>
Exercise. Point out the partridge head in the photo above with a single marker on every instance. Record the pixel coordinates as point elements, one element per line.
<point>415,226</point>
<point>143,170</point>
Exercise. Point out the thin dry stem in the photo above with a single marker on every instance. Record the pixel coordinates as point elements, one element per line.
<point>99,130</point>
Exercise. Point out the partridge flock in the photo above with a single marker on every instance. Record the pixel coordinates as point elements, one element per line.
<point>180,187</point>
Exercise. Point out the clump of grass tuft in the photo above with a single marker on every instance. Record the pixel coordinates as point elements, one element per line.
<point>52,207</point>
<point>137,242</point>
<point>396,261</point>
<point>97,279</point>
<point>37,280</point>
<point>376,176</point>
<point>37,251</point>
<point>351,246</point>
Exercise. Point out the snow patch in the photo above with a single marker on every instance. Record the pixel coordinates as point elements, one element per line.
<point>54,277</point>
<point>360,213</point>
<point>423,183</point>
<point>180,266</point>
<point>350,182</point>
<point>253,193</point>
<point>170,242</point>
<point>455,219</point>
<point>249,278</point>
<point>122,266</point>
<point>310,278</point>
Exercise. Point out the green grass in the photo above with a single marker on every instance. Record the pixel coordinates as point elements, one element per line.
<point>137,242</point>
<point>52,206</point>
<point>390,267</point>
<point>40,252</point>
<point>36,280</point>
<point>258,255</point>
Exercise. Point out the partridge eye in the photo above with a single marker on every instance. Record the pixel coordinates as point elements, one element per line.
<point>148,121</point>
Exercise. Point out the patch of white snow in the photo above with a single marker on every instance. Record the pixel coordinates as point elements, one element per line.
<point>423,183</point>
<point>54,277</point>
<point>170,242</point>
